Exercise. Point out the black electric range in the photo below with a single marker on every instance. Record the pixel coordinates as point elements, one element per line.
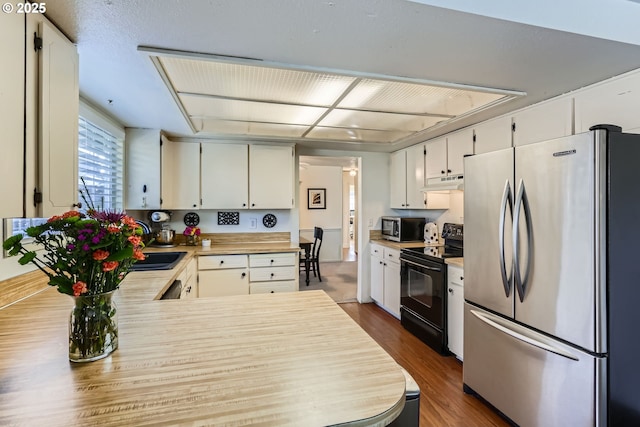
<point>453,236</point>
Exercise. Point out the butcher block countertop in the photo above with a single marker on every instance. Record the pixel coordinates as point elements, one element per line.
<point>269,359</point>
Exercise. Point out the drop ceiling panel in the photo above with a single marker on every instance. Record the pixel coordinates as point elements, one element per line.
<point>252,82</point>
<point>378,121</point>
<point>356,135</point>
<point>226,127</point>
<point>229,109</point>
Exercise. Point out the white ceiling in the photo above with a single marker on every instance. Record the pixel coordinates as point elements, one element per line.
<point>385,37</point>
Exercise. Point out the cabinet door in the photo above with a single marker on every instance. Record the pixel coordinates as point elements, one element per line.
<point>459,144</point>
<point>455,310</point>
<point>377,279</point>
<point>221,283</point>
<point>492,135</point>
<point>436,158</point>
<point>142,150</point>
<point>544,121</point>
<point>271,177</point>
<point>398,180</point>
<point>224,179</point>
<point>415,176</point>
<point>12,113</point>
<point>392,287</point>
<point>180,175</point>
<point>58,117</point>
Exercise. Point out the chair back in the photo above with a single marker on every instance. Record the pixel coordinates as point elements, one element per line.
<point>317,242</point>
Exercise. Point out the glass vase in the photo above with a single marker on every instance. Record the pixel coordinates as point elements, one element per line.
<point>192,240</point>
<point>93,327</point>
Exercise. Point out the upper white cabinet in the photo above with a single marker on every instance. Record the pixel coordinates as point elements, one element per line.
<point>614,101</point>
<point>59,102</point>
<point>407,178</point>
<point>142,148</point>
<point>546,120</point>
<point>180,174</point>
<point>459,144</point>
<point>436,158</point>
<point>271,177</point>
<point>492,135</point>
<point>12,112</point>
<point>224,177</point>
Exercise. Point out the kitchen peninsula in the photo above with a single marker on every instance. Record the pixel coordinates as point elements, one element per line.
<point>270,359</point>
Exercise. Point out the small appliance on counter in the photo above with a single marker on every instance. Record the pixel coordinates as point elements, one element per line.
<point>430,234</point>
<point>403,229</point>
<point>164,235</point>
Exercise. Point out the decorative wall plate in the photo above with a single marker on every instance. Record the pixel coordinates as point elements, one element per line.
<point>228,218</point>
<point>269,220</point>
<point>191,219</point>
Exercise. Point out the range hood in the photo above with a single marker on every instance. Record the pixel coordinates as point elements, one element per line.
<point>454,182</point>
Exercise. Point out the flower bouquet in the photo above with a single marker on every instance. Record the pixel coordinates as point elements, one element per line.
<point>191,233</point>
<point>86,257</point>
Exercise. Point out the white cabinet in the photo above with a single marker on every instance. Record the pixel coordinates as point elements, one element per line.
<point>240,176</point>
<point>180,173</point>
<point>273,272</point>
<point>436,158</point>
<point>546,120</point>
<point>222,275</point>
<point>492,135</point>
<point>459,144</point>
<point>224,177</point>
<point>57,104</point>
<point>271,175</point>
<point>385,277</point>
<point>189,278</point>
<point>12,107</point>
<point>455,309</point>
<point>407,178</point>
<point>142,152</point>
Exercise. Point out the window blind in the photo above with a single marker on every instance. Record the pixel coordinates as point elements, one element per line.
<point>101,164</point>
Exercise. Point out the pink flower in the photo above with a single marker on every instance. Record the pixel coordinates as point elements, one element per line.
<point>137,254</point>
<point>109,265</point>
<point>135,240</point>
<point>100,255</point>
<point>79,288</point>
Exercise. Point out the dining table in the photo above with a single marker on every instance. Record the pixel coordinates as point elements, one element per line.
<point>305,245</point>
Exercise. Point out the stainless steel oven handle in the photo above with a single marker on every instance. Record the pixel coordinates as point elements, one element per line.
<point>506,198</point>
<point>420,265</point>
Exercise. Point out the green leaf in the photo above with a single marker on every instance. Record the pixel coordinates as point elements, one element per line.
<point>61,281</point>
<point>125,253</point>
<point>12,241</point>
<point>27,258</point>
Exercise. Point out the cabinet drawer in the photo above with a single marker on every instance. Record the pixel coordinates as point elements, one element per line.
<point>272,287</point>
<point>272,260</point>
<point>456,275</point>
<point>219,283</point>
<point>392,254</point>
<point>376,250</point>
<point>215,262</point>
<point>270,274</point>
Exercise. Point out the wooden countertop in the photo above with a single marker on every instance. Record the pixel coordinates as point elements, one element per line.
<point>398,245</point>
<point>456,262</point>
<point>270,359</point>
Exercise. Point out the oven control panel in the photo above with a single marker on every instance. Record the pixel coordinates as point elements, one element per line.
<point>452,231</point>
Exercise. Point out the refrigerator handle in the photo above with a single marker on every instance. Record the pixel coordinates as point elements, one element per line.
<point>519,278</point>
<point>521,336</point>
<point>507,197</point>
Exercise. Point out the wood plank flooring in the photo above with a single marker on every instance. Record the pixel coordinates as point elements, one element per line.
<point>442,401</point>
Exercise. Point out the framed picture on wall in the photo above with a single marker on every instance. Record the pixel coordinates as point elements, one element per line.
<point>316,198</point>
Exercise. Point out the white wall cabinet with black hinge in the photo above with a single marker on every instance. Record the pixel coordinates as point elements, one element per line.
<point>407,178</point>
<point>223,275</point>
<point>12,108</point>
<point>242,176</point>
<point>180,173</point>
<point>52,105</point>
<point>385,278</point>
<point>445,155</point>
<point>492,135</point>
<point>455,310</point>
<point>142,153</point>
<point>543,121</point>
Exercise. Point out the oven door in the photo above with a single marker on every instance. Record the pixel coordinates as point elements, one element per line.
<point>423,290</point>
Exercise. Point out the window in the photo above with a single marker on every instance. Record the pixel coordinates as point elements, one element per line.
<point>101,162</point>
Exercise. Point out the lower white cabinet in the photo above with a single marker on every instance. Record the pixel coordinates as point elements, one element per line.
<point>189,279</point>
<point>222,275</point>
<point>455,310</point>
<point>385,278</point>
<point>271,273</point>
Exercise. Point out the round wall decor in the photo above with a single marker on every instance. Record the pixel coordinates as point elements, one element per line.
<point>191,219</point>
<point>269,220</point>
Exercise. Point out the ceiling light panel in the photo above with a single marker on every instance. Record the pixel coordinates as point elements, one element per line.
<point>226,127</point>
<point>229,109</point>
<point>356,135</point>
<point>379,121</point>
<point>241,81</point>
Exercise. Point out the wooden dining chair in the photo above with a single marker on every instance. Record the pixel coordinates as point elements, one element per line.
<point>314,256</point>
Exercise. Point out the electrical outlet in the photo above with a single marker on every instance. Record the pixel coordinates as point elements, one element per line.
<point>253,223</point>
<point>370,222</point>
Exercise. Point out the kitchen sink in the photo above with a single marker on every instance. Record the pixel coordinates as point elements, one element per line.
<point>158,261</point>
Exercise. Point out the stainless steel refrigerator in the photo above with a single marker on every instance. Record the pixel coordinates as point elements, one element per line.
<point>552,280</point>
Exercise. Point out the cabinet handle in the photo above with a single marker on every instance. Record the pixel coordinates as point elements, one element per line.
<point>272,291</point>
<point>243,274</point>
<point>461,278</point>
<point>194,205</point>
<point>273,274</point>
<point>380,262</point>
<point>244,204</point>
<point>448,170</point>
<point>442,172</point>
<point>253,204</point>
<point>77,205</point>
<point>450,291</point>
<point>221,262</point>
<point>272,261</point>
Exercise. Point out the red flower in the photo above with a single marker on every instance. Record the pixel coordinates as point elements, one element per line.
<point>137,254</point>
<point>100,255</point>
<point>79,288</point>
<point>135,240</point>
<point>109,265</point>
<point>113,229</point>
<point>127,220</point>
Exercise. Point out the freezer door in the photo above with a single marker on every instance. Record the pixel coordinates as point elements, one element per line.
<point>488,199</point>
<point>555,215</point>
<point>532,379</point>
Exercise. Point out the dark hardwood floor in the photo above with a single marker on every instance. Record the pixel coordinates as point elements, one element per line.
<point>442,401</point>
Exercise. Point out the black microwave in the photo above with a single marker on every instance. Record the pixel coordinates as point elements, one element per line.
<point>403,229</point>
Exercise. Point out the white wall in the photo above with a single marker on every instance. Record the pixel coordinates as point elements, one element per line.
<point>329,219</point>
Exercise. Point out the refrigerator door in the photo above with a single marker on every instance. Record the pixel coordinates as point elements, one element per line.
<point>531,378</point>
<point>554,211</point>
<point>488,202</point>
